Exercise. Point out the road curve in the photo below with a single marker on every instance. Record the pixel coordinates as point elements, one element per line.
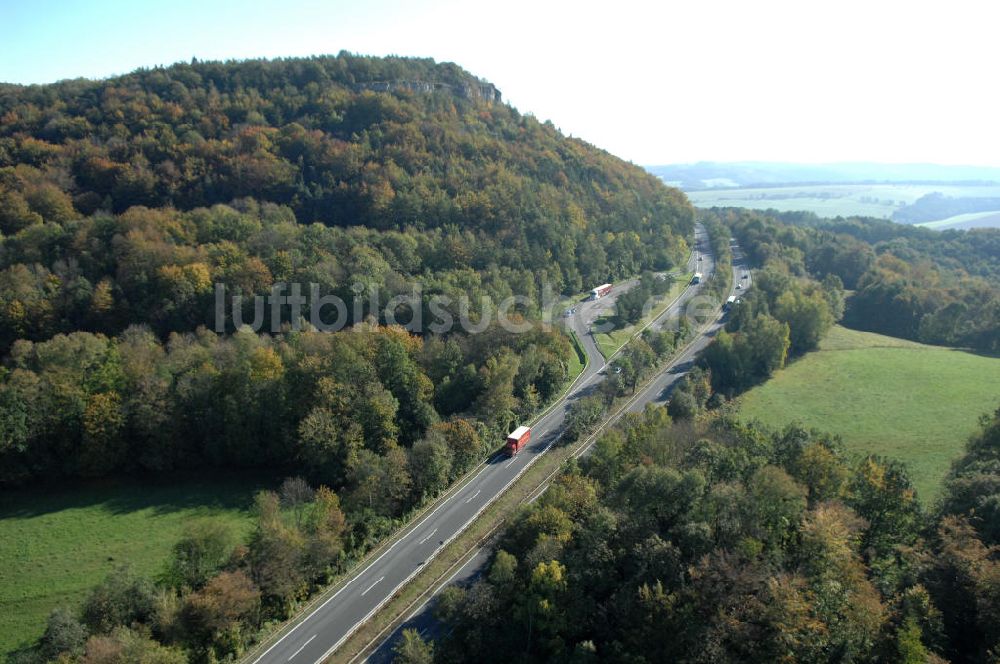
<point>658,391</point>
<point>655,392</point>
<point>316,636</point>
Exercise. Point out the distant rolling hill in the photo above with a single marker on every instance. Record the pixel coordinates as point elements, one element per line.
<point>712,174</point>
<point>965,221</point>
<point>937,196</point>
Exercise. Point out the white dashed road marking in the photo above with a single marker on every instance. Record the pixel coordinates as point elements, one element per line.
<point>372,585</point>
<point>302,648</point>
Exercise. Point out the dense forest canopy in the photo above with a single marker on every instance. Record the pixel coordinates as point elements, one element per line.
<point>974,251</point>
<point>909,282</point>
<point>124,201</point>
<point>390,144</point>
<point>722,542</point>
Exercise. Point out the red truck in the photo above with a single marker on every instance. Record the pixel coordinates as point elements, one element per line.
<point>517,439</point>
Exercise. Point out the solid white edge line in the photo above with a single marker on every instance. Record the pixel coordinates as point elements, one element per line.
<point>433,555</point>
<point>442,585</point>
<point>486,466</point>
<point>361,572</point>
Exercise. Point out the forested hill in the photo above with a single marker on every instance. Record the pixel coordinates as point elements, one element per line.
<point>342,140</point>
<point>124,201</point>
<point>390,144</point>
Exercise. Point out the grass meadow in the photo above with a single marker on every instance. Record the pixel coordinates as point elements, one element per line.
<point>887,396</point>
<point>57,542</point>
<point>844,200</point>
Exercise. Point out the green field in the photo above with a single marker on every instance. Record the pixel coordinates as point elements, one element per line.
<point>869,200</point>
<point>56,544</point>
<point>609,342</point>
<point>884,395</point>
<point>968,220</point>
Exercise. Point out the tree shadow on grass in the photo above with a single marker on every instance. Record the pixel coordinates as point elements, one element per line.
<point>972,351</point>
<point>221,490</point>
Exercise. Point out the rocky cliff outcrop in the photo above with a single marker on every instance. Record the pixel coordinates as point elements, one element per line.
<point>482,91</point>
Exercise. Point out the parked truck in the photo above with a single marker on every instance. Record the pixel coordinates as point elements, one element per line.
<point>600,291</point>
<point>517,439</point>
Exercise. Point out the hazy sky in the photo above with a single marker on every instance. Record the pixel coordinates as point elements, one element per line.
<point>653,82</point>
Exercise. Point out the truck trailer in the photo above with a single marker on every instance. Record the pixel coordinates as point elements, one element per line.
<point>517,439</point>
<point>600,291</point>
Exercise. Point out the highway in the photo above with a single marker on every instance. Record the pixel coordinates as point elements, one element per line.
<point>658,391</point>
<point>655,392</point>
<point>329,624</point>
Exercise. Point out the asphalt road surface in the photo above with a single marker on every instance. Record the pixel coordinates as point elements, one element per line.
<point>657,392</point>
<point>333,621</point>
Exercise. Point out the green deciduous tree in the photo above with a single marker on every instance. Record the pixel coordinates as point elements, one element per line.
<point>430,466</point>
<point>63,634</point>
<point>119,600</point>
<point>204,548</point>
<point>275,555</point>
<point>808,317</point>
<point>413,649</point>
